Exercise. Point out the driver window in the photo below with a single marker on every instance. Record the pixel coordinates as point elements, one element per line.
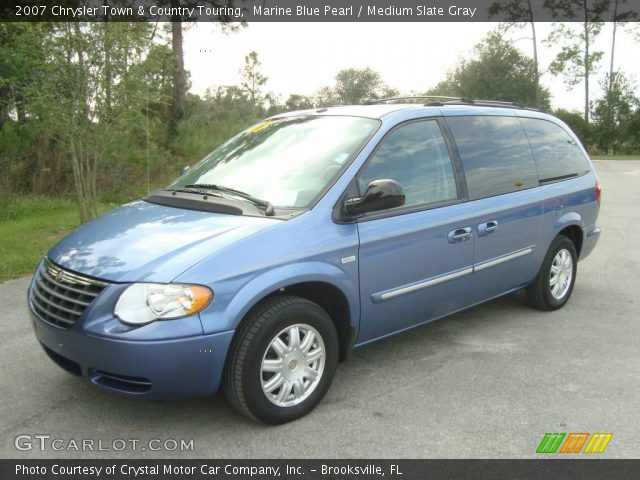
<point>415,155</point>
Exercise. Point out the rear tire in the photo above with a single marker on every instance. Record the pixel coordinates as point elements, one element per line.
<point>553,286</point>
<point>282,361</point>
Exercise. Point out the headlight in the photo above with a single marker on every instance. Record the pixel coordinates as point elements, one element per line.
<point>142,303</point>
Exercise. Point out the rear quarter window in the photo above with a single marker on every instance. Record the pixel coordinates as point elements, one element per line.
<point>495,155</point>
<point>557,154</point>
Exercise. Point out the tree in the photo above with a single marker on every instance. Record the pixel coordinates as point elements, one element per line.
<point>354,86</point>
<point>614,113</point>
<point>273,104</point>
<point>230,100</point>
<point>21,55</point>
<point>252,79</point>
<point>325,97</point>
<point>577,123</point>
<point>517,14</point>
<point>619,17</point>
<point>298,102</point>
<point>80,98</point>
<point>497,71</point>
<point>632,144</point>
<point>357,85</point>
<point>180,75</point>
<point>71,102</point>
<point>577,60</point>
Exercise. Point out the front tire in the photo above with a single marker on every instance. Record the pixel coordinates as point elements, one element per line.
<point>282,361</point>
<point>553,286</point>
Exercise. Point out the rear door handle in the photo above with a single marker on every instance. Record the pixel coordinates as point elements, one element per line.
<point>459,235</point>
<point>486,228</point>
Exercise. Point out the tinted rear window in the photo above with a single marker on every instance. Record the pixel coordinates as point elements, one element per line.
<point>495,154</point>
<point>557,154</point>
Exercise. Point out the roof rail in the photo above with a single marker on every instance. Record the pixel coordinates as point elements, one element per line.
<point>414,97</point>
<point>438,101</point>
<point>482,103</point>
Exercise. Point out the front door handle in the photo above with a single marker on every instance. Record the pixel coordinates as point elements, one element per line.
<point>486,228</point>
<point>459,235</point>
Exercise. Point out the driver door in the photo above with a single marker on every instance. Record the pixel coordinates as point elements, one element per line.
<point>416,260</point>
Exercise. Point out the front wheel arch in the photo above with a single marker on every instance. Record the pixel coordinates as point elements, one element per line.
<point>319,282</point>
<point>243,377</point>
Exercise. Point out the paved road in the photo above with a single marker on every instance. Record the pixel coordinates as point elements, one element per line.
<point>488,382</point>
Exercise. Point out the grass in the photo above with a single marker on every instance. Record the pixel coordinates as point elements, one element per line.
<point>30,227</point>
<point>616,157</point>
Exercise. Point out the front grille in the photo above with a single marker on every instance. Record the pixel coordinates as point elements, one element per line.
<point>60,297</point>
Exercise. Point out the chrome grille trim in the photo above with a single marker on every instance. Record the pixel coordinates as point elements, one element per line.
<point>70,277</point>
<point>60,296</point>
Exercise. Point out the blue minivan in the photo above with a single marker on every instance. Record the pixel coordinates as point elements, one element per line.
<point>310,234</point>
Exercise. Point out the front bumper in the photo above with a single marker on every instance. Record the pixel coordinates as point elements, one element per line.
<point>159,369</point>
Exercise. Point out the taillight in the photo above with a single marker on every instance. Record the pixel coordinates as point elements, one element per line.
<point>598,190</point>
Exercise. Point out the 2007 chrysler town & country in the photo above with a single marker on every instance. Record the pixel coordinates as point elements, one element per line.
<point>312,233</point>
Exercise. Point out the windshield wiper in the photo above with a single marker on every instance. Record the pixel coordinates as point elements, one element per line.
<point>268,208</point>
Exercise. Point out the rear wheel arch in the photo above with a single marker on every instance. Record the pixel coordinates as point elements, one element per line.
<point>575,234</point>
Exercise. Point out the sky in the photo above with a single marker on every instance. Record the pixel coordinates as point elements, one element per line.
<point>302,57</point>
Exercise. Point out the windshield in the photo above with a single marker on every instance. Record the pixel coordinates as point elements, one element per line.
<point>286,161</point>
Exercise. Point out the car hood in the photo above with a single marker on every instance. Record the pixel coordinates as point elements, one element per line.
<point>142,241</point>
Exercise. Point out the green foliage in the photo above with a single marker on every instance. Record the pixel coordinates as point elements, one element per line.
<point>615,157</point>
<point>578,124</point>
<point>89,99</point>
<point>577,59</point>
<point>89,108</point>
<point>298,102</point>
<point>326,97</point>
<point>354,86</point>
<point>519,14</point>
<point>572,62</point>
<point>253,80</point>
<point>496,71</point>
<point>21,55</point>
<point>513,11</point>
<point>616,115</point>
<point>223,113</point>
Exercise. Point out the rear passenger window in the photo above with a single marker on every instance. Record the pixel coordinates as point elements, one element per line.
<point>495,154</point>
<point>557,155</point>
<point>416,156</point>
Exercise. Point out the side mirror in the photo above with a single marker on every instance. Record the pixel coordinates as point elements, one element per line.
<point>184,170</point>
<point>380,195</point>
